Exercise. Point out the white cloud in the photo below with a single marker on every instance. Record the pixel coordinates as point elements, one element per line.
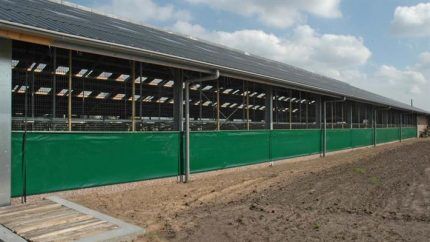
<point>402,84</point>
<point>143,10</point>
<point>412,21</point>
<point>338,56</point>
<point>277,13</point>
<point>327,54</point>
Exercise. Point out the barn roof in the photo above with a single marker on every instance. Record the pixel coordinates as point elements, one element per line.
<point>67,23</point>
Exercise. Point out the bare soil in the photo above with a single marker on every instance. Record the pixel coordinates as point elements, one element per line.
<point>377,194</point>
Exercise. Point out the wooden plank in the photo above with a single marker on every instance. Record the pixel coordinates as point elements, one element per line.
<point>69,229</point>
<point>32,210</point>
<point>29,218</point>
<point>53,222</point>
<point>20,207</point>
<point>57,228</point>
<point>32,218</point>
<point>82,233</point>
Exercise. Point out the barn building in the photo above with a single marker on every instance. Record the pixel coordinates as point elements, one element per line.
<point>89,99</point>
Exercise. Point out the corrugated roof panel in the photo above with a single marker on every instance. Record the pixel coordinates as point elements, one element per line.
<point>65,19</point>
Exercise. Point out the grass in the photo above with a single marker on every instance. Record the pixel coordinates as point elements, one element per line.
<point>360,170</point>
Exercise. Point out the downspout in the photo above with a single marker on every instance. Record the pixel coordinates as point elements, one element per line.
<point>325,123</point>
<point>211,77</point>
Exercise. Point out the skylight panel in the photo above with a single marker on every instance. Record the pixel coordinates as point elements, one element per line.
<point>227,91</point>
<point>40,67</point>
<point>81,73</point>
<point>104,75</point>
<point>85,94</point>
<point>295,110</point>
<point>207,103</point>
<point>207,88</point>
<point>138,79</point>
<point>233,105</point>
<point>31,67</point>
<point>102,95</point>
<point>195,87</point>
<point>14,63</point>
<point>43,91</point>
<point>15,88</point>
<point>22,89</point>
<point>162,99</point>
<point>62,93</point>
<point>136,97</point>
<point>253,94</point>
<point>148,98</point>
<point>261,95</point>
<point>169,84</point>
<point>123,77</point>
<point>118,96</point>
<point>62,70</point>
<point>155,82</point>
<point>225,105</point>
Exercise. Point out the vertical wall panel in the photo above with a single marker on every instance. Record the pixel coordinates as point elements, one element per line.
<point>217,150</point>
<point>293,143</point>
<point>361,137</point>
<point>61,161</point>
<point>384,135</point>
<point>338,139</point>
<point>5,120</point>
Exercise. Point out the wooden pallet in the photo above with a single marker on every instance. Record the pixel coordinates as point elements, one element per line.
<point>55,219</point>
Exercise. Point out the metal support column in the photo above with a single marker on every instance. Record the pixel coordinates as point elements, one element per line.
<point>212,77</point>
<point>318,110</point>
<point>133,96</point>
<point>69,99</point>
<point>374,127</point>
<point>351,123</point>
<point>247,106</point>
<point>400,126</point>
<point>54,86</point>
<point>178,118</point>
<point>5,120</point>
<point>218,122</point>
<point>290,110</point>
<point>269,109</point>
<point>324,148</point>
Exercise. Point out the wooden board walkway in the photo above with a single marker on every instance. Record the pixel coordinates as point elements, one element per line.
<point>56,219</point>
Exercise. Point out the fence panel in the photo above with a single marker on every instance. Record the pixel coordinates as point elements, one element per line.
<point>64,161</point>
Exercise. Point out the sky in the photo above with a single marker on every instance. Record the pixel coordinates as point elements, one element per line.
<point>382,46</point>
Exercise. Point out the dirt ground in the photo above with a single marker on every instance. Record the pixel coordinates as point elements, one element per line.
<point>378,194</point>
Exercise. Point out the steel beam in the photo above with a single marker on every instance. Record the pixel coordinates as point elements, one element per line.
<point>5,120</point>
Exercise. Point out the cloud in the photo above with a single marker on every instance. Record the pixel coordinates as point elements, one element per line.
<point>339,56</point>
<point>144,11</point>
<point>277,13</point>
<point>402,84</point>
<point>327,54</point>
<point>413,21</point>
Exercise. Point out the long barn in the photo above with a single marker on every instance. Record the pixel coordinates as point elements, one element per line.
<point>89,99</point>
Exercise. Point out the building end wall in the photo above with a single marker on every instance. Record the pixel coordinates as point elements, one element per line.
<point>422,123</point>
<point>5,120</point>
